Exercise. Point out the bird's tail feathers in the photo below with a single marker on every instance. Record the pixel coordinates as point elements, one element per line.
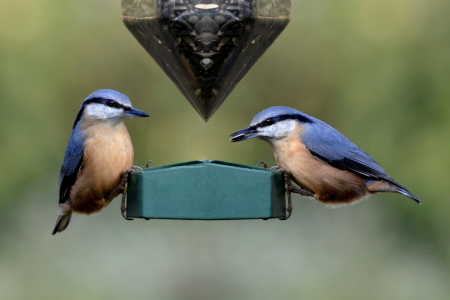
<point>402,190</point>
<point>64,215</point>
<point>376,186</point>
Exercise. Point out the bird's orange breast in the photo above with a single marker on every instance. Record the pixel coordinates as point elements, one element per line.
<point>329,184</point>
<point>108,151</point>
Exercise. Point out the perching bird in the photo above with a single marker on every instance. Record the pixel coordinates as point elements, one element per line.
<point>322,162</point>
<point>99,150</point>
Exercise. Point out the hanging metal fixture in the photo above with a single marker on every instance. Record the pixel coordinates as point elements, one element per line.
<point>206,46</point>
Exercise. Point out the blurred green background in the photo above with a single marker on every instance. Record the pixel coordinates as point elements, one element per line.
<point>378,71</point>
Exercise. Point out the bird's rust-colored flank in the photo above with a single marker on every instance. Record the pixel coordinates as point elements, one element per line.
<point>113,152</point>
<point>381,186</point>
<point>330,185</point>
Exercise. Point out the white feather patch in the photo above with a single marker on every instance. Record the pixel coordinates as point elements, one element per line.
<point>102,112</point>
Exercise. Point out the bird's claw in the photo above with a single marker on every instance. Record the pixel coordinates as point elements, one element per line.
<point>123,207</point>
<point>262,164</point>
<point>121,187</point>
<point>289,208</point>
<point>149,164</point>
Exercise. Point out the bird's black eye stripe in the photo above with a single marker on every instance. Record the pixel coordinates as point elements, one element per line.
<point>112,104</point>
<point>273,120</point>
<point>107,102</point>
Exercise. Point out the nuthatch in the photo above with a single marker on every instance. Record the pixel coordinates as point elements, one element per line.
<point>99,150</point>
<point>321,161</point>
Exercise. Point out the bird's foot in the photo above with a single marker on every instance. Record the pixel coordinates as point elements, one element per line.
<point>289,207</point>
<point>288,182</point>
<point>301,191</point>
<point>120,188</point>
<point>123,186</point>
<point>290,188</point>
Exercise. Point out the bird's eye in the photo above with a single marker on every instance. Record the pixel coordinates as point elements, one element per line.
<point>110,103</point>
<point>269,122</point>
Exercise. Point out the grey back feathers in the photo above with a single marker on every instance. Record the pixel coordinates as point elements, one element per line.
<point>73,159</point>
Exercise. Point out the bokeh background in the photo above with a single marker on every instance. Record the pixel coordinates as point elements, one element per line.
<point>377,70</point>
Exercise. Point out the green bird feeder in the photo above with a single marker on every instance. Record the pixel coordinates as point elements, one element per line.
<point>206,190</point>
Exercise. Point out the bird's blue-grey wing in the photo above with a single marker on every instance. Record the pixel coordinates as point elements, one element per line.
<point>73,160</point>
<point>327,144</point>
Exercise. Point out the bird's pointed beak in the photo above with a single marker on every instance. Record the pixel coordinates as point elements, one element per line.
<point>244,134</point>
<point>136,113</point>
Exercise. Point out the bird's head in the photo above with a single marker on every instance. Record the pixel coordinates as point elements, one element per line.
<point>273,123</point>
<point>108,105</point>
